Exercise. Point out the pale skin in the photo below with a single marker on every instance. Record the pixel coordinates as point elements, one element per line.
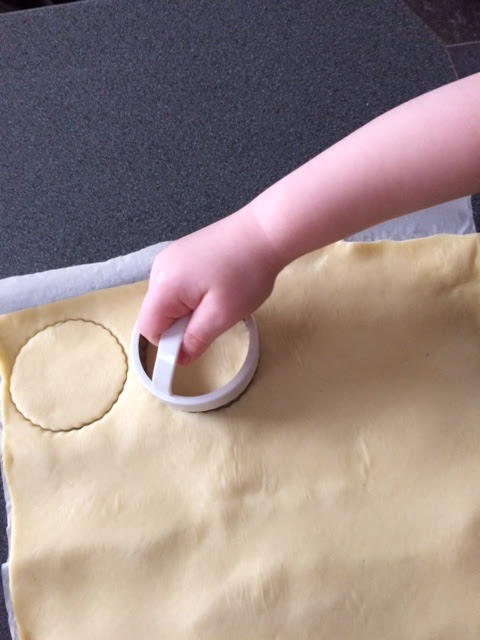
<point>422,153</point>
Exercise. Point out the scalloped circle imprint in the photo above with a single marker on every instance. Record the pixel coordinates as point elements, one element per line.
<point>68,375</point>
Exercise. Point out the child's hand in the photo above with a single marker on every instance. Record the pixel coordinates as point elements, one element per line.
<point>422,153</point>
<point>222,273</point>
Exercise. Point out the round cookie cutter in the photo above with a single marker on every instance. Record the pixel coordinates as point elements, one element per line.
<point>160,384</point>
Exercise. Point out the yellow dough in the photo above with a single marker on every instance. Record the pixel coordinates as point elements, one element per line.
<point>338,498</point>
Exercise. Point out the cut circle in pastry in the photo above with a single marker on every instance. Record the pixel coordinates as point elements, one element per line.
<point>68,375</point>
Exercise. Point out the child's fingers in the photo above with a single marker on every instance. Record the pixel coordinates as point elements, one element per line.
<point>157,313</point>
<point>207,323</point>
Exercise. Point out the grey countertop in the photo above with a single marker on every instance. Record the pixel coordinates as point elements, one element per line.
<point>124,123</point>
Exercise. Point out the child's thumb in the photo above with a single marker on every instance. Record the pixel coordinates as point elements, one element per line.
<point>204,327</point>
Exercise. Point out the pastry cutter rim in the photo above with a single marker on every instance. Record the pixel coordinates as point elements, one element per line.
<point>160,385</point>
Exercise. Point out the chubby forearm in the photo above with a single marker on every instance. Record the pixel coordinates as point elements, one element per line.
<point>421,153</point>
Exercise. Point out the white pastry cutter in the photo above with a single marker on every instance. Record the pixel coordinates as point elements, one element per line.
<point>160,384</point>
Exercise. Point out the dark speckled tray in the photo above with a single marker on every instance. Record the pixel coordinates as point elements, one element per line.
<point>126,123</point>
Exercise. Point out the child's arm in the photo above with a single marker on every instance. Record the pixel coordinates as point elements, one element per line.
<point>421,153</point>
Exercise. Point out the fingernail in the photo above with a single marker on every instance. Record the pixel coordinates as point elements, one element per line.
<point>185,359</point>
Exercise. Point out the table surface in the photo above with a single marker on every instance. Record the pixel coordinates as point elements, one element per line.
<point>127,123</point>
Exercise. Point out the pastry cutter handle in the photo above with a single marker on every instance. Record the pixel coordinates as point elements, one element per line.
<point>167,355</point>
